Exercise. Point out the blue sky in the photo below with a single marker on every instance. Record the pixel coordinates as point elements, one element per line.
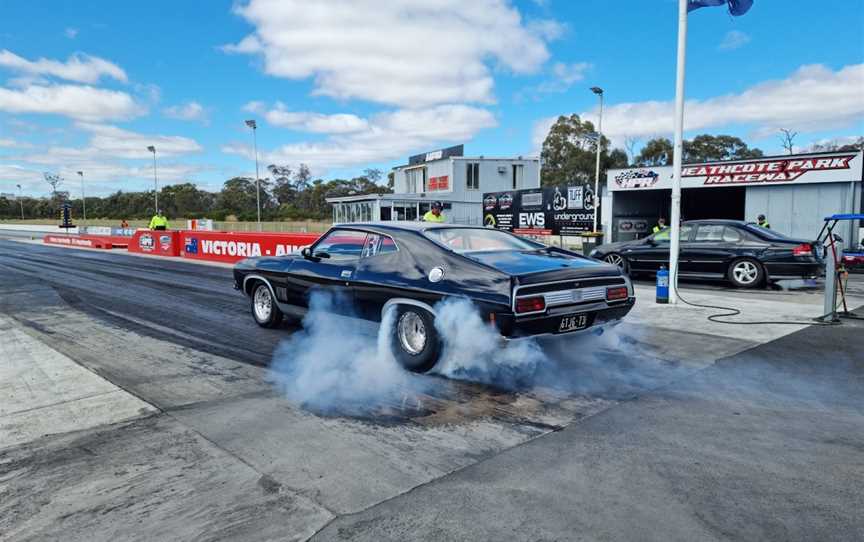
<point>345,85</point>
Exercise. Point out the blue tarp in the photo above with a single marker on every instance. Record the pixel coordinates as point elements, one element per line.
<point>848,216</point>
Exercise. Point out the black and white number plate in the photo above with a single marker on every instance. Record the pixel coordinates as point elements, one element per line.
<point>573,323</point>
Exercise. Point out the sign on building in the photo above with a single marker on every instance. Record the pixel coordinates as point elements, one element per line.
<point>557,210</point>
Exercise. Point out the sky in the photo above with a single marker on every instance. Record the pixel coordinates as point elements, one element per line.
<point>345,85</point>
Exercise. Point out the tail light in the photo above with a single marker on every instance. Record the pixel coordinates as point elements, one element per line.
<point>615,294</point>
<point>530,304</point>
<point>804,249</point>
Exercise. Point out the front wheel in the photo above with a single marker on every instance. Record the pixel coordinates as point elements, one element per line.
<point>264,308</point>
<point>414,339</point>
<point>746,273</point>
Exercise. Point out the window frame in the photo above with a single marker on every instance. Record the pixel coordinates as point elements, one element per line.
<point>472,176</point>
<point>315,248</point>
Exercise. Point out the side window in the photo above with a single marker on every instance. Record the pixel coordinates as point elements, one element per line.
<point>378,244</point>
<point>709,233</point>
<point>731,235</point>
<point>342,245</point>
<point>664,236</point>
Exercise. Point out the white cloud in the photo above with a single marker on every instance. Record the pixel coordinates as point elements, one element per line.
<point>563,76</point>
<point>79,68</point>
<point>192,111</point>
<point>390,135</point>
<point>12,144</point>
<point>813,98</point>
<point>78,102</point>
<point>71,33</point>
<point>401,52</point>
<point>339,123</point>
<point>734,39</point>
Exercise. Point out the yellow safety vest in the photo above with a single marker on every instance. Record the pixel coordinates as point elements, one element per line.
<point>658,229</point>
<point>158,220</point>
<point>430,217</point>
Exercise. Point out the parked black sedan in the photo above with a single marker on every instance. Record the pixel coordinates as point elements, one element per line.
<point>744,253</point>
<point>521,287</point>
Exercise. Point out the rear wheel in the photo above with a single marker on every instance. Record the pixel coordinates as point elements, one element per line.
<point>264,308</point>
<point>414,339</point>
<point>616,259</point>
<point>746,273</point>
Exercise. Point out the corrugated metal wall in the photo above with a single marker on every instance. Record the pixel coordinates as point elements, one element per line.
<point>799,210</point>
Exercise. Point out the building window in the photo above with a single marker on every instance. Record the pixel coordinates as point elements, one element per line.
<point>415,180</point>
<point>472,176</point>
<point>518,171</point>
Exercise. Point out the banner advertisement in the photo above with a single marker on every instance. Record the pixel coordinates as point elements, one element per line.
<point>230,247</point>
<point>157,243</point>
<point>555,210</point>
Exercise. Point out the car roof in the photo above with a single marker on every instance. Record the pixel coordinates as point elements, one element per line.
<point>725,221</point>
<point>407,225</point>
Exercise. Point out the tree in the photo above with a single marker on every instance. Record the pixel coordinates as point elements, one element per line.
<point>569,152</point>
<point>787,138</point>
<point>656,152</point>
<point>703,148</point>
<point>708,148</point>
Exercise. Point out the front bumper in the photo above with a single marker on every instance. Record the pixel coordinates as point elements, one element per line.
<point>599,313</point>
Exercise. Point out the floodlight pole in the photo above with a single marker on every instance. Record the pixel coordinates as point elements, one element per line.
<point>21,200</point>
<point>677,155</point>
<point>152,149</point>
<point>254,125</point>
<point>83,198</point>
<point>599,92</point>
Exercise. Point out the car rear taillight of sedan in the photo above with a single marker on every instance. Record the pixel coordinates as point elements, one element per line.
<point>530,304</point>
<point>804,249</point>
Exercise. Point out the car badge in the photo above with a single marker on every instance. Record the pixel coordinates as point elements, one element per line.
<point>436,274</point>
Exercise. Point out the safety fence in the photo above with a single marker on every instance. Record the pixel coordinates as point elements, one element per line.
<point>225,247</point>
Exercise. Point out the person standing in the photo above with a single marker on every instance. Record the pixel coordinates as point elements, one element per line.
<point>434,214</point>
<point>762,222</point>
<point>159,222</point>
<point>661,225</point>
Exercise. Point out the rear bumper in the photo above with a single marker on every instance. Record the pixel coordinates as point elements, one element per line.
<point>796,270</point>
<point>547,324</point>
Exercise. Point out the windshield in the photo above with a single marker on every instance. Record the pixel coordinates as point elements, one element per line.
<point>463,240</point>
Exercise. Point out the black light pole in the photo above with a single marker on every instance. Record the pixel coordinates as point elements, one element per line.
<point>599,92</point>
<point>21,200</point>
<point>83,197</point>
<point>252,124</point>
<point>152,149</point>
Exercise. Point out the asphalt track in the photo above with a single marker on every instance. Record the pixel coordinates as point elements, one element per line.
<point>188,304</point>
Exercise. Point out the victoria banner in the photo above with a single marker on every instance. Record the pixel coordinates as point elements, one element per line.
<point>555,210</point>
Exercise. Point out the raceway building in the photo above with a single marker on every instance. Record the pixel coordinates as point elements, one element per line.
<point>795,193</point>
<point>445,175</point>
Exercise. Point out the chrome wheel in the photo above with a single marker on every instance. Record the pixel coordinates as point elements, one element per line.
<point>262,303</point>
<point>411,332</point>
<point>614,259</point>
<point>745,272</point>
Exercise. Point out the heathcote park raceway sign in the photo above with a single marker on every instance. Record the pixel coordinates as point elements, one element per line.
<point>834,167</point>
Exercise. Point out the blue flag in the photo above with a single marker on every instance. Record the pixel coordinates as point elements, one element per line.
<point>736,7</point>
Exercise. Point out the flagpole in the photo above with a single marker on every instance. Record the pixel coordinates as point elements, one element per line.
<point>675,217</point>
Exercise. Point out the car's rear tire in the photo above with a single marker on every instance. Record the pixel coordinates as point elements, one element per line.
<point>617,259</point>
<point>414,340</point>
<point>264,309</point>
<point>746,273</point>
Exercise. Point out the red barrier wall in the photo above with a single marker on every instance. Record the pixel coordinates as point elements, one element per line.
<point>230,247</point>
<point>159,243</point>
<point>77,241</point>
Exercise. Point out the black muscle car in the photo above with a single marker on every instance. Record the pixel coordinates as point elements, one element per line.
<point>521,287</point>
<point>743,253</point>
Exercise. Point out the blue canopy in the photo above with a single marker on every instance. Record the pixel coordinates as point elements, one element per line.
<point>848,216</point>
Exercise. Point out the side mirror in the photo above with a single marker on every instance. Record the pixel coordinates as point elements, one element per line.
<point>650,241</point>
<point>306,253</point>
<point>313,257</point>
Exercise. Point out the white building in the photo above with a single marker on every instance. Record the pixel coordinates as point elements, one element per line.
<point>445,175</point>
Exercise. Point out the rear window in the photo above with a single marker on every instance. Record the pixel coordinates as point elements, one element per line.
<point>767,233</point>
<point>478,240</point>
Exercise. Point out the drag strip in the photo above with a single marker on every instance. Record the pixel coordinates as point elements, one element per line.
<point>188,304</point>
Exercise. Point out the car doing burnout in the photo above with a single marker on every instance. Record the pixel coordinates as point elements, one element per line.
<point>744,253</point>
<point>522,288</point>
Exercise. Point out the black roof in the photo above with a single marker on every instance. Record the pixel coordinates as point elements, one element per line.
<point>407,225</point>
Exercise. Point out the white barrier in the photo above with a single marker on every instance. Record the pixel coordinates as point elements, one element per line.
<point>37,228</point>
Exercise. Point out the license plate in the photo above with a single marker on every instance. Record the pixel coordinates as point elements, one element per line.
<point>572,323</point>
